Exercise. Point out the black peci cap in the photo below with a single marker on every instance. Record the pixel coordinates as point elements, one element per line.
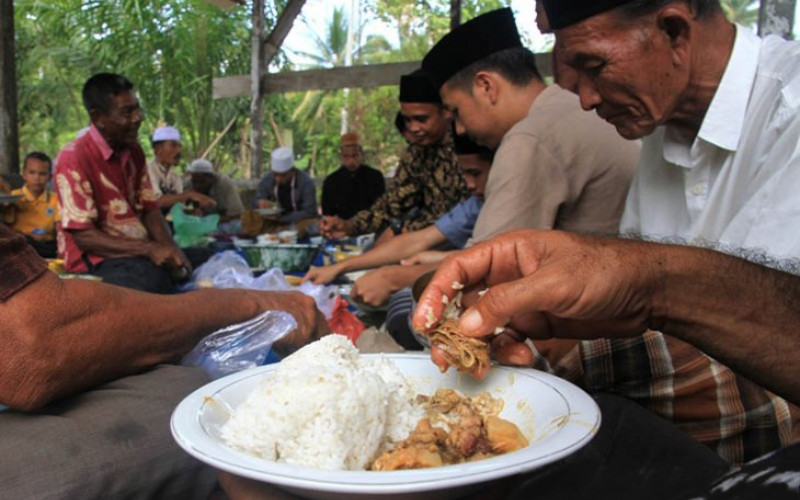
<point>472,41</point>
<point>563,13</point>
<point>416,87</point>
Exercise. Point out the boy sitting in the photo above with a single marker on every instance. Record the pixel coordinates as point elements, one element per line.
<point>38,211</point>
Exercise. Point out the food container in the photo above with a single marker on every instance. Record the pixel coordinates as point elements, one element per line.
<point>289,258</point>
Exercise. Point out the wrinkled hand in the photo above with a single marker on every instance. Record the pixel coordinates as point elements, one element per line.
<point>334,228</point>
<point>311,324</point>
<point>322,275</point>
<point>201,199</point>
<point>373,289</point>
<point>546,284</point>
<point>425,257</point>
<point>169,256</point>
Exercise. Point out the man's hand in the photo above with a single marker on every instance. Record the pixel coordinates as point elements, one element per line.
<point>311,324</point>
<point>201,199</point>
<point>323,275</point>
<point>169,256</point>
<point>546,284</point>
<point>375,287</point>
<point>334,228</point>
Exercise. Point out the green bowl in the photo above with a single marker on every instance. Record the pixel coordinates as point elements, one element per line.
<point>289,258</point>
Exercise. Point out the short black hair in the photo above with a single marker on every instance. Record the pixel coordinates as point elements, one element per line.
<point>400,122</point>
<point>38,155</point>
<point>517,65</point>
<point>99,90</point>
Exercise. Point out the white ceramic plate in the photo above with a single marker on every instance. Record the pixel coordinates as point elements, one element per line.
<point>556,416</point>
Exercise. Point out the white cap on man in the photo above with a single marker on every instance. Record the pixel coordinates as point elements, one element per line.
<point>282,160</point>
<point>166,134</point>
<point>201,166</point>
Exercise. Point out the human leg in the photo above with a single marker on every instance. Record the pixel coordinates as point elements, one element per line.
<point>635,455</point>
<point>137,273</point>
<point>110,442</point>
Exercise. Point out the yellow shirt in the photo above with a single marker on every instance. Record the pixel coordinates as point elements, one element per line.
<point>37,217</point>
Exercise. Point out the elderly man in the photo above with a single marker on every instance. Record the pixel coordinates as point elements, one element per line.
<point>287,188</point>
<point>217,187</point>
<point>354,186</point>
<point>167,184</point>
<point>715,105</point>
<point>111,224</point>
<point>581,191</point>
<point>86,375</point>
<point>427,184</point>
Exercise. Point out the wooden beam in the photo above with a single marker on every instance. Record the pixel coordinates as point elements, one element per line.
<point>373,75</point>
<point>369,76</point>
<point>9,134</point>
<point>282,28</point>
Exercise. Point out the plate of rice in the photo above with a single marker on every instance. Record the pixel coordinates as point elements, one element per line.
<point>312,423</point>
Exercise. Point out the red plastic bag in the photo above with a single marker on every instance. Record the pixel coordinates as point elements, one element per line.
<point>345,322</point>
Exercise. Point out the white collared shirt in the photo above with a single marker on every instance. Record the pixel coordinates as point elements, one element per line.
<point>738,181</point>
<point>164,179</point>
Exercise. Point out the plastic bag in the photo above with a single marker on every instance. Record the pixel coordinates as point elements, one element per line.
<point>191,230</point>
<point>240,346</point>
<point>344,322</point>
<point>228,269</point>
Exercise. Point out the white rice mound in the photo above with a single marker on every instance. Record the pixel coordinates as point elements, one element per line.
<point>325,407</point>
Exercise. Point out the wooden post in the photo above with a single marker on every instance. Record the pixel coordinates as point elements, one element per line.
<point>455,13</point>
<point>9,135</point>
<point>776,17</point>
<point>256,90</point>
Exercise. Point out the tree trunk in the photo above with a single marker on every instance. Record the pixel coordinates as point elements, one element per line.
<point>9,136</point>
<point>776,17</point>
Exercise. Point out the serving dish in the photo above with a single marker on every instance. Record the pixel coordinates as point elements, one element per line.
<point>557,417</point>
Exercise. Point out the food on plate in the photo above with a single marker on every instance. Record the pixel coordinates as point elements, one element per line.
<point>327,407</point>
<point>465,354</point>
<point>456,429</point>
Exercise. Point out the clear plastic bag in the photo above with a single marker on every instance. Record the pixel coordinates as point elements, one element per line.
<point>230,270</point>
<point>240,346</point>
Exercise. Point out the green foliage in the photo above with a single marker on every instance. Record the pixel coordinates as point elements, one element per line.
<point>172,49</point>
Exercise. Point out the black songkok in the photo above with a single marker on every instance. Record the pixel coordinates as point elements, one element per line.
<point>472,41</point>
<point>416,87</point>
<point>563,13</point>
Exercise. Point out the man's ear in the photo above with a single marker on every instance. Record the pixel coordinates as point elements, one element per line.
<point>674,21</point>
<point>485,87</point>
<point>97,118</point>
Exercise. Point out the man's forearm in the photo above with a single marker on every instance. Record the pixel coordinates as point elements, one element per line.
<point>104,332</point>
<point>396,249</point>
<point>743,314</point>
<point>96,242</point>
<point>157,227</point>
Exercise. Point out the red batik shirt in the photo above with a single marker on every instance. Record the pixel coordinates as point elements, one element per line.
<point>101,188</point>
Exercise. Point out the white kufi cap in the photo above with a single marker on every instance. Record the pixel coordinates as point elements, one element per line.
<point>201,166</point>
<point>282,160</point>
<point>166,134</point>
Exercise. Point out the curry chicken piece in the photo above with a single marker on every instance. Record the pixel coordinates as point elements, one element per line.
<point>474,431</point>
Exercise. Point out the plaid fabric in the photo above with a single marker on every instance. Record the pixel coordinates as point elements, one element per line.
<point>427,179</point>
<point>675,380</point>
<point>19,264</point>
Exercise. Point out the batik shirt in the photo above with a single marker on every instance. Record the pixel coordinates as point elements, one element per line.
<point>426,186</point>
<point>104,189</point>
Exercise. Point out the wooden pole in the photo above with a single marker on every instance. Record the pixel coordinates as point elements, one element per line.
<point>9,135</point>
<point>256,90</point>
<point>455,13</point>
